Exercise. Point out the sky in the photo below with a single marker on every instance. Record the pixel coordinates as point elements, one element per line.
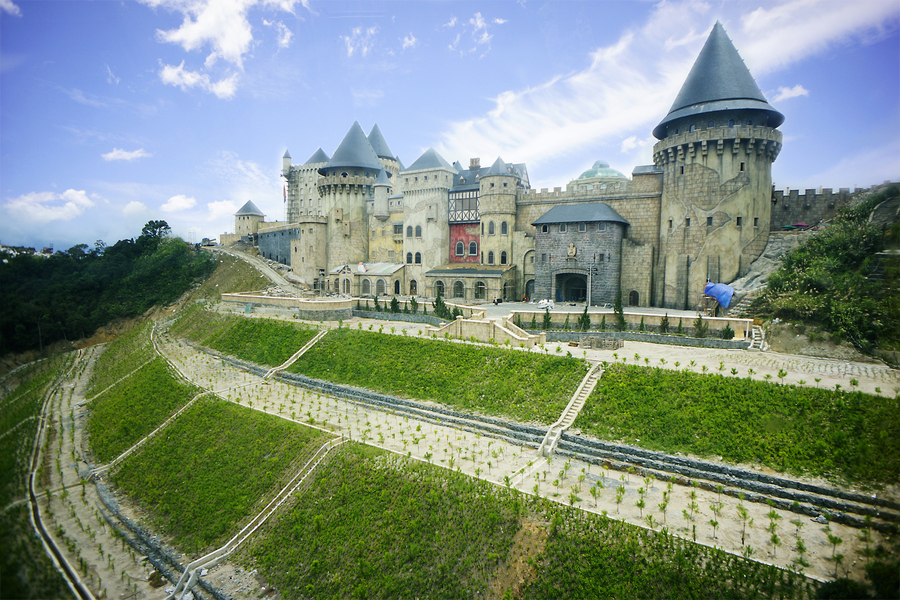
<point>113,113</point>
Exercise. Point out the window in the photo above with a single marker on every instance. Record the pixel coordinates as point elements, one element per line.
<point>633,298</point>
<point>731,122</point>
<point>562,227</point>
<point>693,128</point>
<point>460,249</point>
<point>398,229</point>
<point>459,290</point>
<point>670,223</point>
<point>409,231</point>
<point>504,184</point>
<point>681,172</point>
<point>418,258</point>
<point>413,288</point>
<point>373,234</point>
<point>711,124</point>
<point>409,258</point>
<point>473,248</point>
<point>687,222</point>
<point>418,231</point>
<point>503,257</point>
<point>543,258</point>
<point>600,257</point>
<point>479,290</point>
<point>709,221</point>
<point>366,287</point>
<point>742,167</point>
<point>379,287</point>
<point>756,221</point>
<point>504,228</point>
<point>582,227</point>
<point>739,221</point>
<point>491,228</point>
<point>532,259</point>
<point>396,286</point>
<point>491,257</point>
<point>545,228</point>
<point>438,288</point>
<point>347,286</point>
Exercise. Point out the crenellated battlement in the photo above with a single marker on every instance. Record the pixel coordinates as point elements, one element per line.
<point>813,205</point>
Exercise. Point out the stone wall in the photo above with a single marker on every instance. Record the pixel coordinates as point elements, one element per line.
<point>311,310</point>
<point>789,207</point>
<point>275,242</point>
<point>741,327</point>
<point>485,331</point>
<point>652,338</point>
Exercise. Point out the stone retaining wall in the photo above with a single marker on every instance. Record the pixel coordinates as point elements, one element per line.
<point>653,338</point>
<point>404,317</point>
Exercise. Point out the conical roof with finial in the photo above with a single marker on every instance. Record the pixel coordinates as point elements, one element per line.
<point>249,210</point>
<point>355,151</point>
<point>719,80</point>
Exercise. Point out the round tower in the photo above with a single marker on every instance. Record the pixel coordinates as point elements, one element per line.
<point>497,209</point>
<point>247,219</point>
<point>716,149</point>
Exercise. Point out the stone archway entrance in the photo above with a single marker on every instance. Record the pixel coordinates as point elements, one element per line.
<point>571,287</point>
<point>529,289</point>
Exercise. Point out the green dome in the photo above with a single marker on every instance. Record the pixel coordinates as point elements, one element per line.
<point>601,170</point>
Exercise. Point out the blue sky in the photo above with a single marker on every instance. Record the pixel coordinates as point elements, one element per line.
<point>114,113</point>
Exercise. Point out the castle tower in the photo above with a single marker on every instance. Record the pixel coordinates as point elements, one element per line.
<point>303,198</point>
<point>379,145</point>
<point>716,149</point>
<point>247,219</point>
<point>346,183</point>
<point>497,200</point>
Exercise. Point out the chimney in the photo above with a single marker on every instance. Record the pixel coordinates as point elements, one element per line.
<point>474,164</point>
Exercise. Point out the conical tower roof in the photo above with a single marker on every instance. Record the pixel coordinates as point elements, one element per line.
<point>719,80</point>
<point>355,151</point>
<point>318,156</point>
<point>498,168</point>
<point>430,159</point>
<point>249,210</point>
<point>382,179</point>
<point>287,154</point>
<point>379,145</point>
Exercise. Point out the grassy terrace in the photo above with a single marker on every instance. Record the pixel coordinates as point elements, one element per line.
<point>262,341</point>
<point>135,407</point>
<point>121,356</point>
<point>213,468</point>
<point>496,381</point>
<point>374,526</point>
<point>853,436</point>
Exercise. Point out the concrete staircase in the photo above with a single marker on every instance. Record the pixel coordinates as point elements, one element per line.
<point>296,355</point>
<point>551,440</point>
<point>758,341</point>
<point>739,309</point>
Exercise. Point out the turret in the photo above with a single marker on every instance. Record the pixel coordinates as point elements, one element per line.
<point>382,191</point>
<point>286,165</point>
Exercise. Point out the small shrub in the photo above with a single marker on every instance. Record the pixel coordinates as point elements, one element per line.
<point>664,324</point>
<point>727,332</point>
<point>700,328</point>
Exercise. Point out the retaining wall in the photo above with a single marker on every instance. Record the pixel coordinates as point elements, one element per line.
<point>653,338</point>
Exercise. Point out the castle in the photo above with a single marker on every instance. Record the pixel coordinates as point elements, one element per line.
<point>360,223</point>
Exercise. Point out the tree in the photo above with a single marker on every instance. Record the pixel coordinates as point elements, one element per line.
<point>547,321</point>
<point>156,229</point>
<point>584,321</point>
<point>620,313</point>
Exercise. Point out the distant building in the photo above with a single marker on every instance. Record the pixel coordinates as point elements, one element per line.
<point>701,211</point>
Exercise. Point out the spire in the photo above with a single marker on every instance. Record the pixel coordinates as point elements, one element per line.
<point>379,145</point>
<point>430,159</point>
<point>249,209</point>
<point>286,154</point>
<point>355,151</point>
<point>318,156</point>
<point>382,179</point>
<point>719,80</point>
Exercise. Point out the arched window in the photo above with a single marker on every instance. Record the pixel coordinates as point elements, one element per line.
<point>693,127</point>
<point>491,228</point>
<point>409,231</point>
<point>347,286</point>
<point>438,288</point>
<point>379,287</point>
<point>409,258</point>
<point>459,290</point>
<point>366,287</point>
<point>731,122</point>
<point>711,124</point>
<point>479,290</point>
<point>460,249</point>
<point>473,248</point>
<point>634,298</point>
<point>418,258</point>
<point>396,286</point>
<point>491,257</point>
<point>545,228</point>
<point>418,231</point>
<point>413,288</point>
<point>503,257</point>
<point>504,228</point>
<point>337,286</point>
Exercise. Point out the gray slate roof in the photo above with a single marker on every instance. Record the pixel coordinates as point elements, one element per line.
<point>318,156</point>
<point>354,151</point>
<point>464,269</point>
<point>580,213</point>
<point>719,80</point>
<point>640,170</point>
<point>378,143</point>
<point>382,179</point>
<point>286,154</point>
<point>249,209</point>
<point>430,159</point>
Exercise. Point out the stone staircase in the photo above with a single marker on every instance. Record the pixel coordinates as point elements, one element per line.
<point>296,355</point>
<point>740,309</point>
<point>548,445</point>
<point>758,341</point>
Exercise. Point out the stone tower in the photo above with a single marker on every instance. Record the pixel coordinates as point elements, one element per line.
<point>716,149</point>
<point>247,219</point>
<point>497,207</point>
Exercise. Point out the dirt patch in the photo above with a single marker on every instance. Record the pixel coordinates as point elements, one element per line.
<point>791,338</point>
<point>520,568</point>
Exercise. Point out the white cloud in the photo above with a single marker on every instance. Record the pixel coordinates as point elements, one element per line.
<point>480,32</point>
<point>409,41</point>
<point>790,92</point>
<point>9,7</point>
<point>499,21</point>
<point>285,35</point>
<point>366,97</point>
<point>477,35</point>
<point>120,154</point>
<point>221,25</point>
<point>82,98</point>
<point>361,40</point>
<point>630,84</point>
<point>221,209</point>
<point>44,207</point>
<point>179,203</point>
<point>110,77</point>
<point>451,23</point>
<point>183,78</point>
<point>134,208</point>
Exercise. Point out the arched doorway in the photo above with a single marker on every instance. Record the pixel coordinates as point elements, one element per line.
<point>459,290</point>
<point>633,298</point>
<point>509,291</point>
<point>479,290</point>
<point>397,287</point>
<point>347,286</point>
<point>379,287</point>
<point>366,287</point>
<point>439,289</point>
<point>529,289</point>
<point>413,288</point>
<point>571,287</point>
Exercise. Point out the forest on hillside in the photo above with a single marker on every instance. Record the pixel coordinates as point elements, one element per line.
<point>70,294</point>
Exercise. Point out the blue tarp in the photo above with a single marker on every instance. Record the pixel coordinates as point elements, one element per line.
<point>721,292</point>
